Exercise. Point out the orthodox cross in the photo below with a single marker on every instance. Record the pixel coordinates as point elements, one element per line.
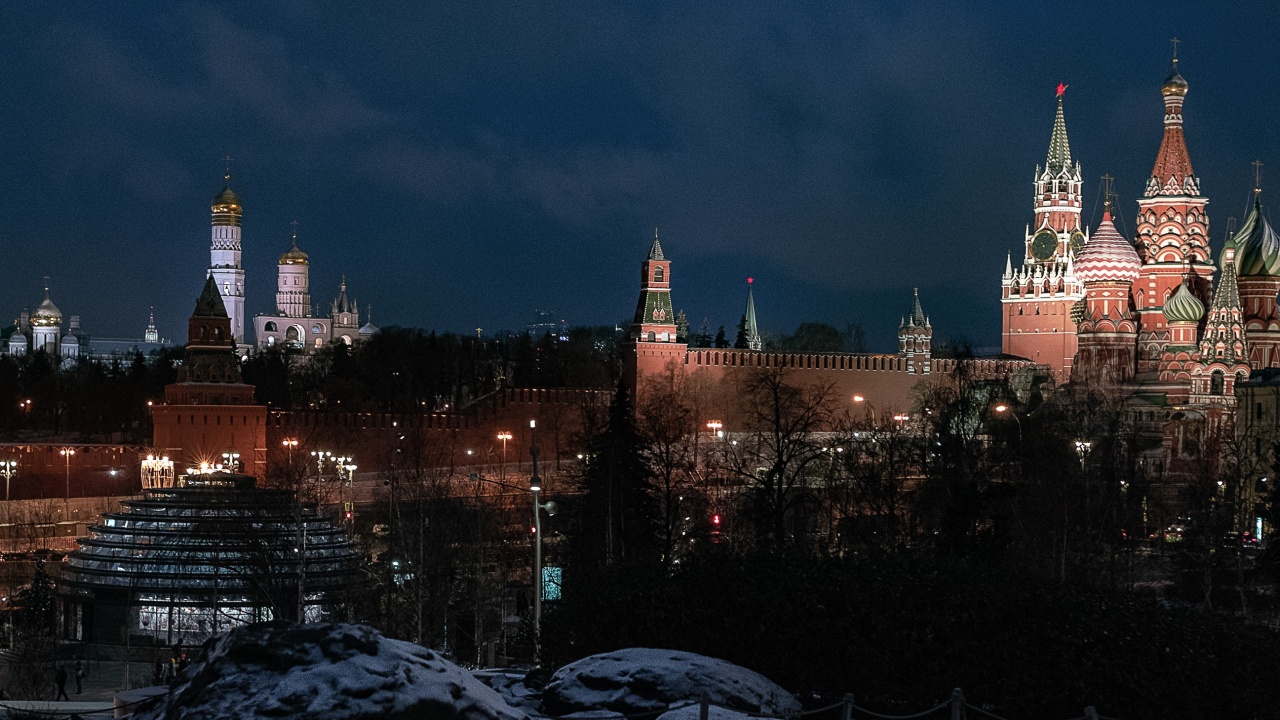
<point>1175,42</point>
<point>295,231</point>
<point>227,160</point>
<point>1257,177</point>
<point>1107,191</point>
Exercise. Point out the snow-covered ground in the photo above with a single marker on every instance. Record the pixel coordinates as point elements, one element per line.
<point>352,672</point>
<point>334,672</point>
<point>636,680</point>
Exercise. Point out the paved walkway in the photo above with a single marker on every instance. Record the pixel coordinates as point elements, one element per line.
<point>104,678</point>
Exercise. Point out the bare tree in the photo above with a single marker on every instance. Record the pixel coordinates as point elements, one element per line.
<point>779,449</point>
<point>666,423</point>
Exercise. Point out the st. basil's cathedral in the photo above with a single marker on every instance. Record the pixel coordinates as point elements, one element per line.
<point>1145,317</point>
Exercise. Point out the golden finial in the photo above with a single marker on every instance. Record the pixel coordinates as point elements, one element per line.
<point>1107,192</point>
<point>227,171</point>
<point>295,232</point>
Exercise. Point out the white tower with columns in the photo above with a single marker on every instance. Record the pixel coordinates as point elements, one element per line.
<point>224,256</point>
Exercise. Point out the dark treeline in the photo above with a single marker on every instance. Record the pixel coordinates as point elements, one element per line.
<point>402,369</point>
<point>87,400</point>
<point>1018,546</point>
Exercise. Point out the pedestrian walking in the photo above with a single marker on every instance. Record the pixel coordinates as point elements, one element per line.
<point>60,678</point>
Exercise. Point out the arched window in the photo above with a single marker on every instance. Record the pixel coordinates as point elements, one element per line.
<point>1216,382</point>
<point>657,274</point>
<point>653,336</point>
<point>204,332</point>
<point>270,326</point>
<point>316,329</point>
<point>217,334</point>
<point>271,341</point>
<point>346,339</point>
<point>293,335</point>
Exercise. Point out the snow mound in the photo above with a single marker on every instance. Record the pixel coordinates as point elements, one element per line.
<point>638,680</point>
<point>335,672</point>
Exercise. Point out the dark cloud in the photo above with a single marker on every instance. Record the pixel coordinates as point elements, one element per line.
<point>465,163</point>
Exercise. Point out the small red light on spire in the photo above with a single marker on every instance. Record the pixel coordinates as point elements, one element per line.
<point>750,280</point>
<point>1061,89</point>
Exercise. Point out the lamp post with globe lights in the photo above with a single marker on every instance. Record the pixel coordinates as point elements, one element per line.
<point>8,468</point>
<point>504,436</point>
<point>67,453</point>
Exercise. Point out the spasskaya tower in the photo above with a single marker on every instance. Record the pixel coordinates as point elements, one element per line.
<point>1037,298</point>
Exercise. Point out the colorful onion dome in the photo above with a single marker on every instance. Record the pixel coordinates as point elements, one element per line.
<point>1078,310</point>
<point>1184,306</point>
<point>1107,257</point>
<point>1174,84</point>
<point>1257,245</point>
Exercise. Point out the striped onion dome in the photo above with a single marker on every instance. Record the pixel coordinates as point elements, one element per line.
<point>1259,246</point>
<point>1107,257</point>
<point>1184,306</point>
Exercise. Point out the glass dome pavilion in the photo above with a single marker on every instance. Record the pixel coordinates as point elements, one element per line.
<point>205,555</point>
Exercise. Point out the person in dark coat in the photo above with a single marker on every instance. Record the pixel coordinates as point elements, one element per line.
<point>60,677</point>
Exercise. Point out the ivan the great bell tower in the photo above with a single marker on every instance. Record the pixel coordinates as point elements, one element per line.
<point>1038,297</point>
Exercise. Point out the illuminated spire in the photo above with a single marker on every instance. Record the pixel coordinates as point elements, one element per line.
<point>749,324</point>
<point>1059,149</point>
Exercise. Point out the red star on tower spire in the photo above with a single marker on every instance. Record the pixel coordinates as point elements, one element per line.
<point>1061,89</point>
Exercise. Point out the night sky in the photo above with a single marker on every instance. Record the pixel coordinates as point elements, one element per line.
<point>466,163</point>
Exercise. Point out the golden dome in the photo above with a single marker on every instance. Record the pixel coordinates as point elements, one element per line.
<point>47,314</point>
<point>226,202</point>
<point>1174,84</point>
<point>294,256</point>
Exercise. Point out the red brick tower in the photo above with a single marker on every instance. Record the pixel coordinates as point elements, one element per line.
<point>654,337</point>
<point>210,410</point>
<point>1037,297</point>
<point>1172,231</point>
<point>915,338</point>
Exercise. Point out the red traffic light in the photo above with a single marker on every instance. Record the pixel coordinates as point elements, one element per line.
<point>715,520</point>
<point>347,516</point>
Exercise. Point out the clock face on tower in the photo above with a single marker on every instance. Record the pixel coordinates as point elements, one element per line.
<point>1044,244</point>
<point>1077,241</point>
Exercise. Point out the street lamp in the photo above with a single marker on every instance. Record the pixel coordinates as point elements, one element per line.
<point>321,456</point>
<point>1082,449</point>
<point>232,461</point>
<point>535,487</point>
<point>66,453</point>
<point>157,472</point>
<point>714,426</point>
<point>504,436</point>
<point>1004,409</point>
<point>8,468</point>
